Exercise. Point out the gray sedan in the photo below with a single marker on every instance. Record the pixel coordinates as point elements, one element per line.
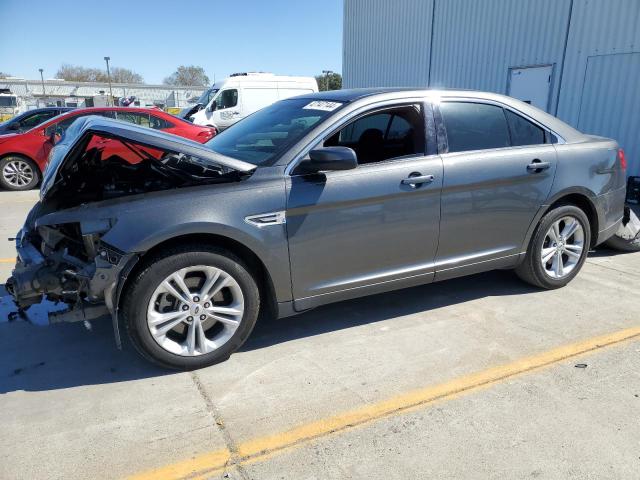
<point>312,200</point>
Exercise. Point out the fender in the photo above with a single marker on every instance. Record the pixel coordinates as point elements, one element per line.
<point>589,196</point>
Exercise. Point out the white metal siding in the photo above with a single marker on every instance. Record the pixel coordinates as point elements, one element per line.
<point>386,43</point>
<point>474,42</point>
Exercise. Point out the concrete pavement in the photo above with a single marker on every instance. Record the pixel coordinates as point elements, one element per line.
<point>72,406</point>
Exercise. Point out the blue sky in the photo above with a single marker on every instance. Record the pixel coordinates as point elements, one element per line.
<point>288,37</point>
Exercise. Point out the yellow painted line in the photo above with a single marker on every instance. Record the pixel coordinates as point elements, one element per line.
<point>258,449</point>
<point>8,260</point>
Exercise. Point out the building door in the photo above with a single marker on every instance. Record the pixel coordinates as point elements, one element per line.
<point>531,85</point>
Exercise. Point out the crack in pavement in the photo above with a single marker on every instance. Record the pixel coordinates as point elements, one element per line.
<point>231,445</point>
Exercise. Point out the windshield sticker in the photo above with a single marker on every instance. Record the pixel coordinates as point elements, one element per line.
<point>322,105</point>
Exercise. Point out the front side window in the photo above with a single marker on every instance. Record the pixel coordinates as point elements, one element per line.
<point>61,127</point>
<point>474,126</point>
<point>227,99</point>
<point>523,132</point>
<point>384,135</point>
<point>260,138</point>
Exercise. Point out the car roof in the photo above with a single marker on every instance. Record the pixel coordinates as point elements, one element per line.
<point>567,132</point>
<point>78,111</point>
<point>158,139</point>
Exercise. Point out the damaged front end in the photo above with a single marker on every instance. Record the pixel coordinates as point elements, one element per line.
<point>69,263</point>
<point>61,252</point>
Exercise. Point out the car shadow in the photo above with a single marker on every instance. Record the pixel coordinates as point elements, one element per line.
<point>39,358</point>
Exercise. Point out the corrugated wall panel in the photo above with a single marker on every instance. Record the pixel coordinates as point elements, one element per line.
<point>476,42</point>
<point>386,43</point>
<point>610,103</point>
<point>600,91</point>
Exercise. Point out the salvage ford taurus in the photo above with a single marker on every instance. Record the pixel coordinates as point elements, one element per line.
<point>312,200</point>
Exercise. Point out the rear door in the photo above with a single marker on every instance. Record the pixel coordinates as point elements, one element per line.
<point>498,171</point>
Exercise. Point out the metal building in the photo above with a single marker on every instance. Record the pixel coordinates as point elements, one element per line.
<point>577,59</point>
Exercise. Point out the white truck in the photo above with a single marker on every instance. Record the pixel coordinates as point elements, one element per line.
<point>241,94</point>
<point>10,104</point>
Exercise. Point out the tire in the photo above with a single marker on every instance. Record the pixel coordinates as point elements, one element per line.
<point>548,275</point>
<point>18,173</point>
<point>617,242</point>
<point>623,245</point>
<point>196,264</point>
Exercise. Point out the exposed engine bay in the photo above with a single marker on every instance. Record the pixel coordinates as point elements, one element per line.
<point>112,168</point>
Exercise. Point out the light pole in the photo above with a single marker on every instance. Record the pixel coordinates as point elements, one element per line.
<point>106,59</point>
<point>42,80</point>
<point>326,78</point>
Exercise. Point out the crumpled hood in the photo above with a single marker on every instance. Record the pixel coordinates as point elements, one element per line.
<point>64,149</point>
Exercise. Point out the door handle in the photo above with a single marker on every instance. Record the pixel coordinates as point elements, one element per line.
<point>416,179</point>
<point>537,166</point>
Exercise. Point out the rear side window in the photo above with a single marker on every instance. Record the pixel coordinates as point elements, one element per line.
<point>523,132</point>
<point>136,118</point>
<point>158,123</point>
<point>474,126</point>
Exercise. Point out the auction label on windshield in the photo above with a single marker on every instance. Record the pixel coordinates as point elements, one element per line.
<point>322,105</point>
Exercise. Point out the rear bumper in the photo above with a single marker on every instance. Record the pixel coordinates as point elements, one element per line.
<point>610,207</point>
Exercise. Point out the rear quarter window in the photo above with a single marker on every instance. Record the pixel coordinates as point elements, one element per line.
<point>523,132</point>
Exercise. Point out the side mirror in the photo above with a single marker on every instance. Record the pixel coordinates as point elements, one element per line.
<point>14,126</point>
<point>327,159</point>
<point>213,107</point>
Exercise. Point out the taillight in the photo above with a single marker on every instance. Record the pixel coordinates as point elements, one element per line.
<point>206,135</point>
<point>622,158</point>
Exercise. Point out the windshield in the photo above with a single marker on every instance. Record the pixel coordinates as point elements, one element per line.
<point>8,101</point>
<point>206,96</point>
<point>260,138</point>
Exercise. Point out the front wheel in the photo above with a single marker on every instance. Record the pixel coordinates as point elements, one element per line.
<point>18,173</point>
<point>558,248</point>
<point>191,307</point>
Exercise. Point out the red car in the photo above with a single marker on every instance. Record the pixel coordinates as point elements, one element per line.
<point>23,155</point>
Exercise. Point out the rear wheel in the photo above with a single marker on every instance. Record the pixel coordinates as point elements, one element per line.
<point>18,173</point>
<point>558,248</point>
<point>191,307</point>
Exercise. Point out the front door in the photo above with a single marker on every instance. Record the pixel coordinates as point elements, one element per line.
<point>228,108</point>
<point>370,227</point>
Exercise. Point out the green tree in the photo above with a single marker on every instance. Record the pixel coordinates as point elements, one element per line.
<point>334,81</point>
<point>188,76</point>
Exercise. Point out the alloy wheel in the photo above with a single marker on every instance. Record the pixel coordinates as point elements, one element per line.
<point>18,173</point>
<point>563,247</point>
<point>195,310</point>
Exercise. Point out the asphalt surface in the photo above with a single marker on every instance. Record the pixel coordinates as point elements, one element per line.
<point>480,377</point>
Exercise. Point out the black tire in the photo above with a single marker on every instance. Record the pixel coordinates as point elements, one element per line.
<point>531,269</point>
<point>138,294</point>
<point>623,245</point>
<point>5,184</point>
